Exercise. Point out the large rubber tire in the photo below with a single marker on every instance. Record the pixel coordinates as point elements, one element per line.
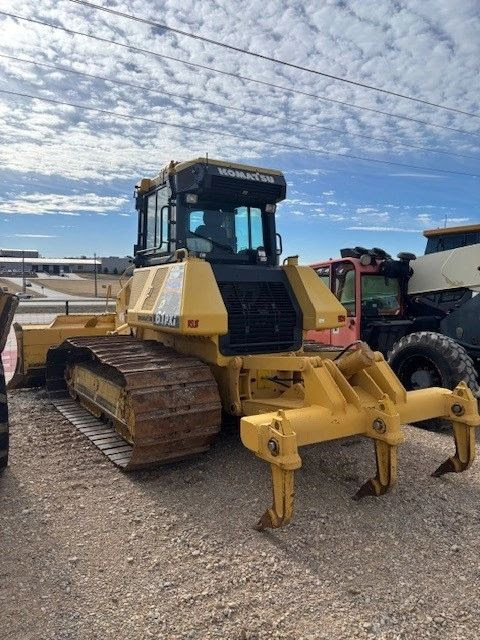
<point>3,420</point>
<point>8,305</point>
<point>429,359</point>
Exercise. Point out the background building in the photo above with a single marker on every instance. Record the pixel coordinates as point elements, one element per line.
<point>14,266</point>
<point>18,253</point>
<point>114,264</point>
<point>13,261</point>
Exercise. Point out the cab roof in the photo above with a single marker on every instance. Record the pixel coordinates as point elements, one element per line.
<point>447,231</point>
<point>145,184</point>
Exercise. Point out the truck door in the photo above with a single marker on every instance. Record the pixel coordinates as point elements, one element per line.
<point>345,284</point>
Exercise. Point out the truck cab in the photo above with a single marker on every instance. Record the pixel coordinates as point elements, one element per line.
<point>371,286</point>
<point>443,239</point>
<point>422,314</point>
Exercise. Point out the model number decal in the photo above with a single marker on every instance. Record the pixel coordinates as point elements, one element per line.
<point>167,313</point>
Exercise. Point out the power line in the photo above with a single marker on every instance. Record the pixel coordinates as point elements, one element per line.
<point>229,107</point>
<point>236,136</point>
<point>237,76</point>
<point>254,54</point>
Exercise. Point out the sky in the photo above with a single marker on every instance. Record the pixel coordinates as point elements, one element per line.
<point>67,175</point>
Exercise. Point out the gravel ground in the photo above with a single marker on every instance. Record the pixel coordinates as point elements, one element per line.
<point>90,553</point>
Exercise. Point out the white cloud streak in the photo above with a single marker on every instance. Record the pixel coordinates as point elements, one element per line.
<point>60,204</point>
<point>31,235</point>
<point>384,229</point>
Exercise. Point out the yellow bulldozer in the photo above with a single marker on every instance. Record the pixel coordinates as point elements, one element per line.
<point>210,322</point>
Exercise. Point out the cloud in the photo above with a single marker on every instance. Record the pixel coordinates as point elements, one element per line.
<point>301,203</point>
<point>356,42</point>
<point>31,235</point>
<point>49,150</point>
<point>307,172</point>
<point>415,175</point>
<point>60,204</point>
<point>381,229</point>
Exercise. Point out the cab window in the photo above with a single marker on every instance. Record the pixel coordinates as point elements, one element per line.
<point>380,295</point>
<point>324,274</point>
<point>157,221</point>
<point>232,231</point>
<point>343,285</point>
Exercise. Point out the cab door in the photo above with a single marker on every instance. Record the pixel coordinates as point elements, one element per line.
<point>345,284</point>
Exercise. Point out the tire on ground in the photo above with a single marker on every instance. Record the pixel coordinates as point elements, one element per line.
<point>450,359</point>
<point>3,420</point>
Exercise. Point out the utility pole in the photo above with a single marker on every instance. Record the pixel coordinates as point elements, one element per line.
<point>95,272</point>
<point>24,282</point>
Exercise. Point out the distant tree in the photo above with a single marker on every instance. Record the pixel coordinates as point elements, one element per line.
<point>105,269</point>
<point>115,271</point>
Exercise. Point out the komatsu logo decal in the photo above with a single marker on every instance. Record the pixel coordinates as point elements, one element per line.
<point>245,175</point>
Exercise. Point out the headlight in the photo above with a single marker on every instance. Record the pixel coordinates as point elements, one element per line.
<point>191,198</point>
<point>270,208</point>
<point>262,255</point>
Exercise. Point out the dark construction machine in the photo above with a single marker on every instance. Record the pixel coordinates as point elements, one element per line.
<point>8,304</point>
<point>209,321</point>
<point>422,313</point>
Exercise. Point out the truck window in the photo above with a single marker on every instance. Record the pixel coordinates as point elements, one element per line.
<point>380,295</point>
<point>344,285</point>
<point>324,274</point>
<point>451,241</point>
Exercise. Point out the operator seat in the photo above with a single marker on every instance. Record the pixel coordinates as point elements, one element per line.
<point>212,228</point>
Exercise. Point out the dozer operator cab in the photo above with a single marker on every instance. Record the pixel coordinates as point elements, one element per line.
<point>224,214</point>
<point>217,211</point>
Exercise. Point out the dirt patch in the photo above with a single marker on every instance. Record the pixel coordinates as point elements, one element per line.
<point>82,287</point>
<point>90,553</point>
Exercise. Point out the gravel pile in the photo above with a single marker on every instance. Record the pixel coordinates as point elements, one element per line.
<point>90,553</point>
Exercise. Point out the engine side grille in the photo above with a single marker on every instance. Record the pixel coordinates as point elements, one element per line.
<point>261,318</point>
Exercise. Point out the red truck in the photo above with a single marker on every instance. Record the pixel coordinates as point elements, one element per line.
<point>422,314</point>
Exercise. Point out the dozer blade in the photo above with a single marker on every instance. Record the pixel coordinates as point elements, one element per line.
<point>8,305</point>
<point>34,341</point>
<point>137,401</point>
